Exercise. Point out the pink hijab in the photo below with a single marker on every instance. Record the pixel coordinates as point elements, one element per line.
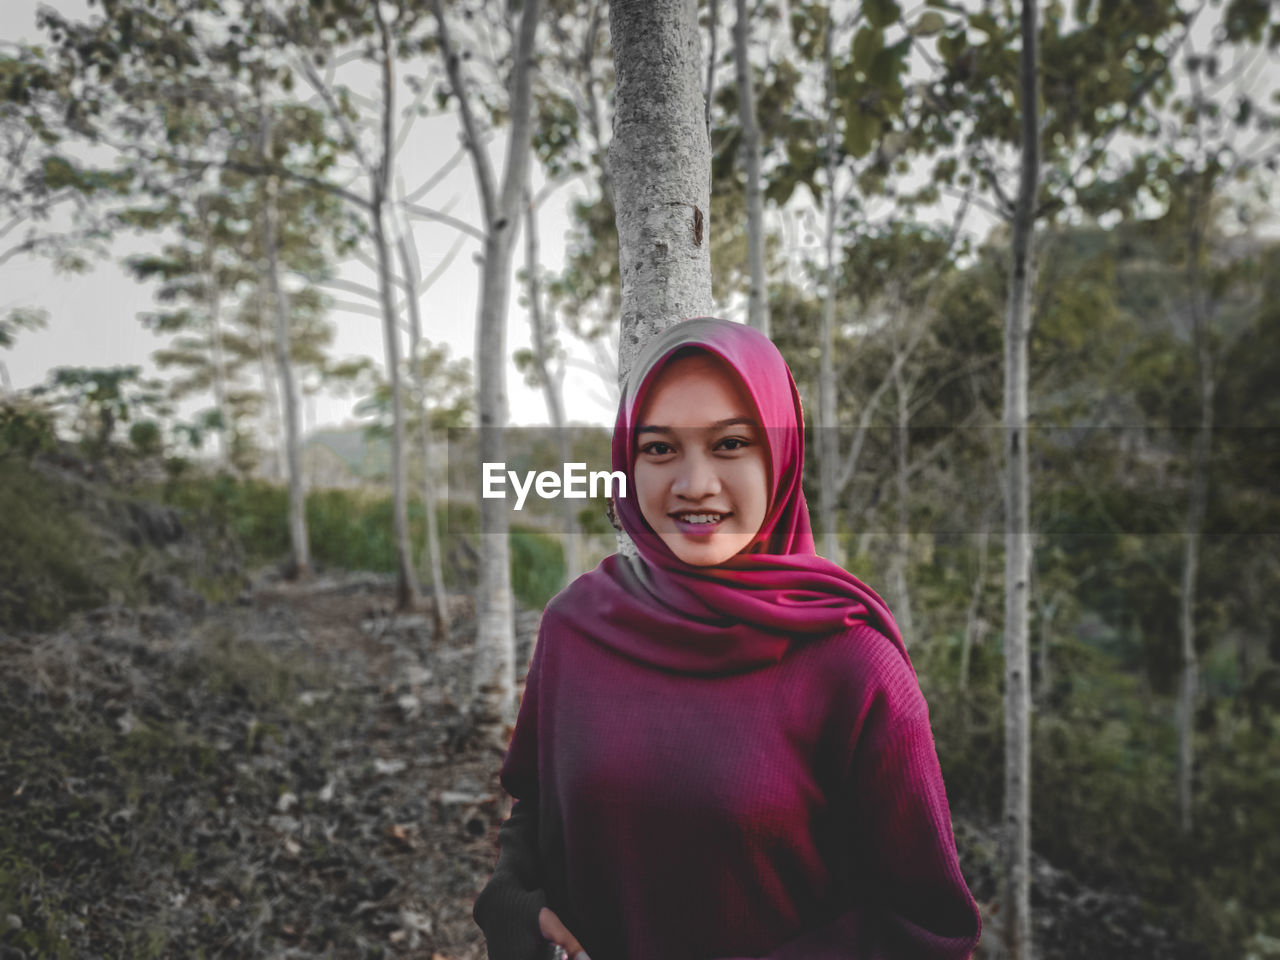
<point>746,612</point>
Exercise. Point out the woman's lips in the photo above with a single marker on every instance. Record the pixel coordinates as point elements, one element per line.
<point>702,529</point>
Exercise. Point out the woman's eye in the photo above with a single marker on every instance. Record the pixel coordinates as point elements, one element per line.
<point>734,443</point>
<point>657,448</point>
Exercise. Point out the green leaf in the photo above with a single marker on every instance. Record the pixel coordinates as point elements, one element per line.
<point>881,13</point>
<point>888,64</point>
<point>867,42</point>
<point>931,22</point>
<point>859,132</point>
<point>986,23</point>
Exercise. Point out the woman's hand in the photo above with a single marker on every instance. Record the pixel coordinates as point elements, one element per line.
<point>555,931</point>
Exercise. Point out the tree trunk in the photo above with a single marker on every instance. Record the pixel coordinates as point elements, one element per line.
<point>1197,502</point>
<point>1017,711</point>
<point>660,158</point>
<point>300,565</point>
<point>972,623</point>
<point>213,307</point>
<point>758,296</point>
<point>270,394</point>
<point>551,384</point>
<point>407,592</point>
<point>433,561</point>
<point>902,536</point>
<point>493,680</point>
<point>828,446</point>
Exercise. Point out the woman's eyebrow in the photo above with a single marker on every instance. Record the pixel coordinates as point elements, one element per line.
<point>718,425</point>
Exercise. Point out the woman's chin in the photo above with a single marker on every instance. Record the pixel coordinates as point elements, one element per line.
<point>704,550</point>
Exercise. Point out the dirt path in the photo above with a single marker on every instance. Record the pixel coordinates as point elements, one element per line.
<point>287,778</point>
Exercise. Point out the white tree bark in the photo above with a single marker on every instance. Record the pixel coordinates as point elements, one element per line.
<point>213,307</point>
<point>552,382</point>
<point>493,680</point>
<point>434,561</point>
<point>300,564</point>
<point>660,158</point>
<point>758,295</point>
<point>1197,502</point>
<point>407,591</point>
<point>270,394</point>
<point>1018,545</point>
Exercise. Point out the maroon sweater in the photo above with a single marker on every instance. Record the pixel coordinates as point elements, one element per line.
<point>794,810</point>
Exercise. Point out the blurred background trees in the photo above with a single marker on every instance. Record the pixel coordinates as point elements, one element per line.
<point>870,207</point>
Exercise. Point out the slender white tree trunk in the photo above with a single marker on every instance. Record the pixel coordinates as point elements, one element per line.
<point>270,393</point>
<point>493,679</point>
<point>1017,712</point>
<point>1197,502</point>
<point>660,158</point>
<point>758,296</point>
<point>407,592</point>
<point>551,382</point>
<point>217,355</point>
<point>433,561</point>
<point>300,565</point>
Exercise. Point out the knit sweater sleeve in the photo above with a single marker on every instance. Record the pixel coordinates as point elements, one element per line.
<point>507,907</point>
<point>912,900</point>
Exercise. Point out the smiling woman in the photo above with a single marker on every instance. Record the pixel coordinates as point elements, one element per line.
<point>702,470</point>
<point>722,750</point>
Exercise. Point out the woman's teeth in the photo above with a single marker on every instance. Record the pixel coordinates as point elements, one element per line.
<point>702,517</point>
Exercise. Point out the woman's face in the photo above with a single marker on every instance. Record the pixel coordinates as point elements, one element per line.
<point>702,468</point>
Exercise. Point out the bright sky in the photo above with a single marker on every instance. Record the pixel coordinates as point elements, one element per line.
<point>93,316</point>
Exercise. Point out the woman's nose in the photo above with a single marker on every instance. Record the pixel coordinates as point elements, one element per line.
<point>698,478</point>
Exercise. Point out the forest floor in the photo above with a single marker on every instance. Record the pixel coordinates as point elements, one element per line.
<point>292,777</point>
<point>283,778</point>
<point>290,773</point>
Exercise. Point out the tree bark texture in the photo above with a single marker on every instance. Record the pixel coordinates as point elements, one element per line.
<point>660,158</point>
<point>300,564</point>
<point>758,295</point>
<point>1017,711</point>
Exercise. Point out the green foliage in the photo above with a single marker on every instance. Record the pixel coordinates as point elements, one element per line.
<point>26,428</point>
<point>352,530</point>
<point>51,561</point>
<point>537,567</point>
<point>21,318</point>
<point>102,397</point>
<point>146,438</point>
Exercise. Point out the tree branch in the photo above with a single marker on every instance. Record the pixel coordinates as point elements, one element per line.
<point>426,213</point>
<point>453,66</point>
<point>432,181</point>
